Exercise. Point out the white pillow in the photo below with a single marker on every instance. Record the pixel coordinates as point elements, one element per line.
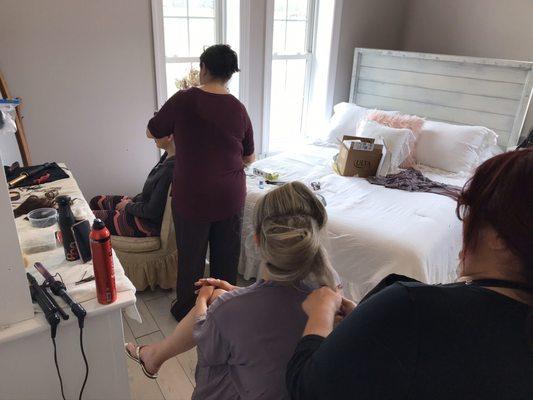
<point>454,148</point>
<point>396,140</point>
<point>345,119</point>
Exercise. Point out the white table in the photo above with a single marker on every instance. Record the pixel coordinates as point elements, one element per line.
<point>27,369</point>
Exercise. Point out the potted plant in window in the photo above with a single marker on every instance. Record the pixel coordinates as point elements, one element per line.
<point>190,80</point>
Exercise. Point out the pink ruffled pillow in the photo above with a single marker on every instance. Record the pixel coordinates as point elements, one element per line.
<point>401,121</point>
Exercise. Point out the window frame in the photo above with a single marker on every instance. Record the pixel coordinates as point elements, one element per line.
<point>270,57</point>
<point>160,58</point>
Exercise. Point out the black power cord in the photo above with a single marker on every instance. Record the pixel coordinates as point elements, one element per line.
<point>85,361</point>
<point>80,322</point>
<point>57,368</point>
<point>58,288</point>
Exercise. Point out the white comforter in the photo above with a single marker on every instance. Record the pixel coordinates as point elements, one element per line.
<point>372,231</point>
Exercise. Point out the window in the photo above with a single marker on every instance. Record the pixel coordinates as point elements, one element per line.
<point>182,30</point>
<point>290,71</point>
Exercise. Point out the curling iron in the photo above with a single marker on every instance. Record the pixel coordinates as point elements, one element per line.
<point>38,295</point>
<point>59,289</point>
<point>24,175</point>
<point>58,308</point>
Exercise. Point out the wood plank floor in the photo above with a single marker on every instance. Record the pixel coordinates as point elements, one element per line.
<point>176,377</point>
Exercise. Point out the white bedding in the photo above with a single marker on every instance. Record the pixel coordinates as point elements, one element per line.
<point>372,231</point>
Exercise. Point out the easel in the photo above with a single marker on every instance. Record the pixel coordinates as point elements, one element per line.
<point>20,135</point>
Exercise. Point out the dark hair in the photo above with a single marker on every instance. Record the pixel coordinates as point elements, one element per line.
<point>500,195</point>
<point>220,60</point>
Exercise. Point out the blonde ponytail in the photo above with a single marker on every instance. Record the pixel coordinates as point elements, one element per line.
<point>288,222</point>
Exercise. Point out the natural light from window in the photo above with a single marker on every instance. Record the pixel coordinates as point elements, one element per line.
<point>291,62</point>
<point>189,27</point>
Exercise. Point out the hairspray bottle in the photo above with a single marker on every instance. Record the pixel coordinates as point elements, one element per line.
<point>104,271</point>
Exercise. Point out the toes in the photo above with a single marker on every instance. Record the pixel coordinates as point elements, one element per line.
<point>130,348</point>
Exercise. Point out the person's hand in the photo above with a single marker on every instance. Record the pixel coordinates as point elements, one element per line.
<point>322,301</point>
<point>204,294</point>
<point>122,205</point>
<point>214,296</point>
<point>347,306</point>
<point>217,283</point>
<point>321,306</point>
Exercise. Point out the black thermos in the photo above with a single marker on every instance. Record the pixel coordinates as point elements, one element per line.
<point>66,220</point>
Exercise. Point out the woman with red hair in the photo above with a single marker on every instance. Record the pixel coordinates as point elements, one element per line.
<point>468,340</point>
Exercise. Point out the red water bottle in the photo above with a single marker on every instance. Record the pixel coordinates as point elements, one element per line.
<point>104,271</point>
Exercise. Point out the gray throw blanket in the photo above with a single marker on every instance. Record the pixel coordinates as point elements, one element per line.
<point>412,180</point>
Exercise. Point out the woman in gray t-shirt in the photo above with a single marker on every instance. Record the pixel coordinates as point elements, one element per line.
<point>245,336</point>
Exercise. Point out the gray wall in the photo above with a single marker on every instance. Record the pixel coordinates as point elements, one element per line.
<point>478,28</point>
<point>84,70</point>
<point>366,23</point>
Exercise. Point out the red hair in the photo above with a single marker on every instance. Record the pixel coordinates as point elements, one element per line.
<point>500,195</point>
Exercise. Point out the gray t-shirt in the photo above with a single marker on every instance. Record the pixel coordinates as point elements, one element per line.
<point>246,340</point>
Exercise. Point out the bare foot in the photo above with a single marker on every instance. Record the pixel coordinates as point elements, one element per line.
<point>147,356</point>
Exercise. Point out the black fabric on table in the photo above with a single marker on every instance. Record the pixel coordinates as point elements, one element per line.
<point>417,341</point>
<point>55,171</point>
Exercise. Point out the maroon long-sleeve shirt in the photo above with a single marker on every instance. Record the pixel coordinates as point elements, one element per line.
<point>212,132</point>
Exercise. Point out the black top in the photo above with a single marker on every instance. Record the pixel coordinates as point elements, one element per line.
<point>416,341</point>
<point>150,204</point>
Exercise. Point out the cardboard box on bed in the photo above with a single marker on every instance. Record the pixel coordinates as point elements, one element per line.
<point>362,163</point>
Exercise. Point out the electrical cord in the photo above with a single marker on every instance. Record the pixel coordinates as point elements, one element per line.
<point>57,368</point>
<point>86,364</point>
<point>51,309</point>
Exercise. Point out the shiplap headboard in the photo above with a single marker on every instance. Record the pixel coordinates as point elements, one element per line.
<point>461,90</point>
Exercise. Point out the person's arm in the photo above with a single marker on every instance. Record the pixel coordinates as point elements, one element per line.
<point>202,301</point>
<point>248,142</point>
<point>162,123</point>
<point>154,208</point>
<point>321,306</point>
<point>248,159</point>
<point>370,355</point>
<point>207,333</point>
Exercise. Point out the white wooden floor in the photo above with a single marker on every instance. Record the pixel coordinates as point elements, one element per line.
<point>176,376</point>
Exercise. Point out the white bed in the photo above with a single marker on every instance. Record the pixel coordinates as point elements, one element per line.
<point>374,231</point>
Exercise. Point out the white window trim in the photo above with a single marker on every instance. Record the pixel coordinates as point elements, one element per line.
<point>160,58</point>
<point>310,38</point>
<point>334,55</point>
<point>267,87</point>
<point>159,52</point>
<point>269,57</point>
<point>324,65</point>
<point>244,52</point>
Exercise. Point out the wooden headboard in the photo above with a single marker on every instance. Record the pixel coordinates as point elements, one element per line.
<point>461,90</point>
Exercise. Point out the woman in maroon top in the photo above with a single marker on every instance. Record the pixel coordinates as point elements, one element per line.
<point>214,141</point>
